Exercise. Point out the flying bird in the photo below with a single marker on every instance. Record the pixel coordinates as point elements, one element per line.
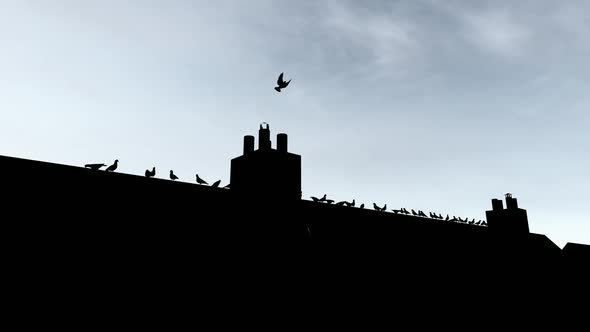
<point>94,166</point>
<point>113,167</point>
<point>281,83</point>
<point>173,176</point>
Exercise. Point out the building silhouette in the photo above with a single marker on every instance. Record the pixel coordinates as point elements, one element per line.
<point>93,224</point>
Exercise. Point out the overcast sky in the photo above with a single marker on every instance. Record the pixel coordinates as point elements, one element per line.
<point>424,104</point>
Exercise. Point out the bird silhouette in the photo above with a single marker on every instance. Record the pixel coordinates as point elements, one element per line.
<point>315,199</point>
<point>173,176</point>
<point>216,184</point>
<point>384,208</point>
<point>150,174</point>
<point>113,167</point>
<point>94,166</point>
<point>200,181</point>
<point>323,199</point>
<point>362,206</point>
<point>376,207</point>
<point>281,83</point>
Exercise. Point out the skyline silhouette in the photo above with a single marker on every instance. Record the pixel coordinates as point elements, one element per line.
<point>427,105</point>
<point>273,174</point>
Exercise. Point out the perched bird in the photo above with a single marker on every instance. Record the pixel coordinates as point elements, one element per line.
<point>362,206</point>
<point>113,167</point>
<point>315,199</point>
<point>376,207</point>
<point>281,83</point>
<point>150,174</point>
<point>94,166</point>
<point>384,208</point>
<point>173,176</point>
<point>200,181</point>
<point>216,184</point>
<point>351,204</point>
<point>323,199</point>
<point>447,219</point>
<point>421,214</point>
<point>414,212</point>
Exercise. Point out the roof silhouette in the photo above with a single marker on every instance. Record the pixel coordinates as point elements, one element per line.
<point>82,216</point>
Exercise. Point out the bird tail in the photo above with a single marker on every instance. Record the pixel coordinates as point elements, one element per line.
<point>278,89</point>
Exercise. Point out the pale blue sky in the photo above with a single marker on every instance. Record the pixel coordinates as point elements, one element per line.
<point>432,105</point>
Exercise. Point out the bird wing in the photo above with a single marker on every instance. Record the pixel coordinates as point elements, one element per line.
<point>286,83</point>
<point>280,80</point>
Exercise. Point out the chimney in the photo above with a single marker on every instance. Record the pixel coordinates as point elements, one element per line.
<point>497,205</point>
<point>264,138</point>
<point>248,144</point>
<point>511,203</point>
<point>282,142</point>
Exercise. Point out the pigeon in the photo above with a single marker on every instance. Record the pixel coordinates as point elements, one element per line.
<point>362,206</point>
<point>150,174</point>
<point>94,166</point>
<point>281,83</point>
<point>216,183</point>
<point>113,167</point>
<point>200,181</point>
<point>173,176</point>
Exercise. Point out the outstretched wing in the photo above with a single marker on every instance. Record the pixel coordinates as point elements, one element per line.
<point>286,83</point>
<point>280,80</point>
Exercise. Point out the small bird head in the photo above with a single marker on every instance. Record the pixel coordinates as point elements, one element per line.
<point>116,161</point>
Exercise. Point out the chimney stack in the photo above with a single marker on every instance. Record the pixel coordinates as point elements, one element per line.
<point>248,144</point>
<point>511,203</point>
<point>264,138</point>
<point>282,142</point>
<point>497,205</point>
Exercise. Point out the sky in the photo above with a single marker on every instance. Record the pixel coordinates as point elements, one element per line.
<point>423,104</point>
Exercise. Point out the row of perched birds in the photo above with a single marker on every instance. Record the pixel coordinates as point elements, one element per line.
<point>152,173</point>
<point>420,213</point>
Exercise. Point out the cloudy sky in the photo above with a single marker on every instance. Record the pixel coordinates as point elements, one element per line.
<point>425,104</point>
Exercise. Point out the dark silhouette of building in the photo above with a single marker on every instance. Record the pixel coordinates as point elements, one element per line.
<point>275,174</point>
<point>110,229</point>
